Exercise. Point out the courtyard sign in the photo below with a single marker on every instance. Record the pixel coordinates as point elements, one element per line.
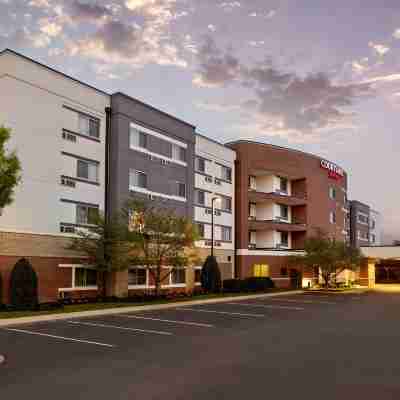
<point>334,171</point>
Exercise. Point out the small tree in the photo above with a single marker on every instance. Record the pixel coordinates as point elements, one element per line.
<point>106,247</point>
<point>160,240</point>
<point>23,285</point>
<point>330,256</point>
<point>211,275</point>
<point>10,169</point>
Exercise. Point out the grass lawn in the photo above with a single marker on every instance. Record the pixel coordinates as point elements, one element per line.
<point>102,306</point>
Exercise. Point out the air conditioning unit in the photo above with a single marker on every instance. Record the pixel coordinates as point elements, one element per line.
<point>208,211</point>
<point>152,197</point>
<point>67,182</point>
<point>217,181</point>
<point>69,136</point>
<point>217,244</point>
<point>217,212</point>
<point>252,246</point>
<point>67,229</point>
<point>209,179</point>
<point>164,162</point>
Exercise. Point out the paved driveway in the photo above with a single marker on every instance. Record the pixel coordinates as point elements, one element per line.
<point>302,346</point>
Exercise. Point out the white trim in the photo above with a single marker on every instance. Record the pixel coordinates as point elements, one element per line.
<point>156,155</point>
<point>175,285</point>
<point>247,252</point>
<point>76,266</point>
<point>280,278</point>
<point>162,195</point>
<point>78,288</point>
<point>158,135</point>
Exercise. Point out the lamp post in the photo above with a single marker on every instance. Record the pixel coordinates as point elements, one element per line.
<point>213,200</point>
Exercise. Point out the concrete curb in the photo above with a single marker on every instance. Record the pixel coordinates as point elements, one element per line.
<point>123,310</point>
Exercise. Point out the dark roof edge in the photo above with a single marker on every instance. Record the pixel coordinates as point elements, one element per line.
<point>215,141</point>
<point>7,50</point>
<point>280,148</point>
<point>154,108</point>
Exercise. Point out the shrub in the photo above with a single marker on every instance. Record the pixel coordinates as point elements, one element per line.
<point>211,275</point>
<point>233,285</point>
<point>23,286</point>
<point>256,284</point>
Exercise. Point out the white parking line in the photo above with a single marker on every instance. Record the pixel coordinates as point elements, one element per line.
<point>268,306</point>
<point>59,337</point>
<point>304,301</point>
<point>169,321</point>
<point>222,312</point>
<point>99,325</point>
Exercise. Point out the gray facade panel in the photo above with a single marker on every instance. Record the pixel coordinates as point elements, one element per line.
<point>357,207</point>
<point>161,178</point>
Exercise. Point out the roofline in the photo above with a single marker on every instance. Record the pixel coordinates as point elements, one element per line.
<point>15,53</point>
<point>280,148</point>
<point>360,203</point>
<point>215,141</point>
<point>153,108</point>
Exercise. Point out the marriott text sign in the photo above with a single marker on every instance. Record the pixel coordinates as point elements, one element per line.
<point>334,171</point>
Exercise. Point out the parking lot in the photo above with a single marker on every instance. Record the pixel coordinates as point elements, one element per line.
<point>303,345</point>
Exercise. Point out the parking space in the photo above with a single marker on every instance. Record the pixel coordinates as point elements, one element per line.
<point>240,332</point>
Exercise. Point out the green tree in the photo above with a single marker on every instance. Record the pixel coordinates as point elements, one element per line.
<point>10,169</point>
<point>105,244</point>
<point>211,275</point>
<point>160,240</point>
<point>330,256</point>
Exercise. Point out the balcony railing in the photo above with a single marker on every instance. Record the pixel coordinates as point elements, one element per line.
<point>277,225</point>
<point>256,196</point>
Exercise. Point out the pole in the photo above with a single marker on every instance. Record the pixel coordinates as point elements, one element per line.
<point>212,227</point>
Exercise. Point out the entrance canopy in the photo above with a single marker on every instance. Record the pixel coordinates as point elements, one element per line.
<point>381,252</point>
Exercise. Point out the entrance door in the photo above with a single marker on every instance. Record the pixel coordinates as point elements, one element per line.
<point>295,278</point>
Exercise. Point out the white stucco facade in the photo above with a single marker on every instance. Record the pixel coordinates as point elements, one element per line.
<point>43,108</point>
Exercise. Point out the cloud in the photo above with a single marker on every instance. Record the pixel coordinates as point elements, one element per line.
<point>383,78</point>
<point>380,49</point>
<point>396,34</point>
<point>282,102</point>
<point>215,67</point>
<point>212,27</point>
<point>50,28</point>
<point>268,15</point>
<point>88,11</point>
<point>256,43</point>
<point>230,5</point>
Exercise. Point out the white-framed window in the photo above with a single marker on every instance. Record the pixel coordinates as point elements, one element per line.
<point>137,138</point>
<point>226,203</point>
<point>178,153</point>
<point>85,277</point>
<point>86,215</point>
<point>332,193</point>
<point>137,277</point>
<point>373,223</point>
<point>362,235</point>
<point>226,173</point>
<point>180,189</point>
<point>332,217</point>
<point>362,219</point>
<point>200,164</point>
<point>87,170</point>
<point>178,276</point>
<point>137,179</point>
<point>284,239</point>
<point>226,233</point>
<point>201,229</point>
<point>283,212</point>
<point>200,197</point>
<point>252,182</point>
<point>252,210</point>
<point>373,238</point>
<point>283,184</point>
<point>89,126</point>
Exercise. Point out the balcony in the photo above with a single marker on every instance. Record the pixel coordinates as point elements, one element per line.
<point>275,225</point>
<point>276,197</point>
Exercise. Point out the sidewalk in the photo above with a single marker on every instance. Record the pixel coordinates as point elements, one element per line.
<point>123,310</point>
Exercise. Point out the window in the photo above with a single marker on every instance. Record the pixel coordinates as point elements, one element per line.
<point>86,215</point>
<point>89,126</point>
<point>252,182</point>
<point>284,238</point>
<point>87,170</point>
<point>362,235</point>
<point>226,173</point>
<point>200,164</point>
<point>332,193</point>
<point>180,189</point>
<point>373,224</point>
<point>178,153</point>
<point>284,211</point>
<point>252,210</point>
<point>137,179</point>
<point>373,238</point>
<point>137,138</point>
<point>261,270</point>
<point>85,277</point>
<point>200,197</point>
<point>252,237</point>
<point>201,230</point>
<point>226,203</point>
<point>197,275</point>
<point>284,271</point>
<point>226,233</point>
<point>137,276</point>
<point>178,276</point>
<point>283,185</point>
<point>363,219</point>
<point>332,217</point>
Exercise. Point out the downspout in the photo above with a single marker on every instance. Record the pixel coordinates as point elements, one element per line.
<point>107,165</point>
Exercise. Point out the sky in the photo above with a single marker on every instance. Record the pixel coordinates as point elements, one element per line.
<point>321,76</point>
